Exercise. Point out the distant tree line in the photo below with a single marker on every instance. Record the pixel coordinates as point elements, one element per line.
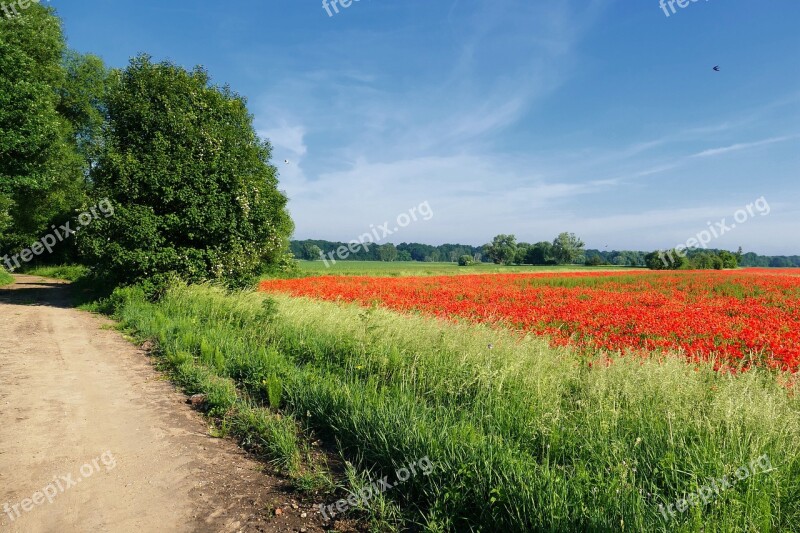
<point>564,249</point>
<point>692,259</point>
<point>777,261</point>
<point>312,250</point>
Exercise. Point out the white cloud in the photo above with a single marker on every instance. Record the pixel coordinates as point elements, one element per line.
<point>284,136</point>
<point>741,146</point>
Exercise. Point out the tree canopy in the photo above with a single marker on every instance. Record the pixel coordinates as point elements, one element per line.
<point>192,184</point>
<point>40,168</point>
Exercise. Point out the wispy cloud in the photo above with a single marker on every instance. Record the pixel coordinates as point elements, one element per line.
<point>287,137</point>
<point>742,146</point>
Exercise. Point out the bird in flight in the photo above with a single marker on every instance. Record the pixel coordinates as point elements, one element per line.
<point>716,68</point>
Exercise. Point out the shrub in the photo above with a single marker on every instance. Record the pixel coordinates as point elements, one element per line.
<point>466,260</point>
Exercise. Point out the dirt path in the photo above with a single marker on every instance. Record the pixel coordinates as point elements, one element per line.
<point>93,439</point>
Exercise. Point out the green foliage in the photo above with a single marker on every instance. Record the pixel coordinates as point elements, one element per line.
<point>594,260</point>
<point>82,102</point>
<point>41,178</point>
<point>729,260</point>
<point>466,260</point>
<point>540,253</point>
<point>387,252</point>
<point>502,250</point>
<point>691,259</point>
<point>662,259</point>
<point>274,389</point>
<point>567,248</point>
<point>192,185</point>
<point>5,278</point>
<point>310,252</point>
<point>65,272</point>
<point>521,255</point>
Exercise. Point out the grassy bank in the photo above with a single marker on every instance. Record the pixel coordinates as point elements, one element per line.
<point>5,278</point>
<point>524,437</point>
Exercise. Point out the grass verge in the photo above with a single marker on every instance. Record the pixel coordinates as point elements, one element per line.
<point>523,437</point>
<point>65,272</point>
<point>5,278</point>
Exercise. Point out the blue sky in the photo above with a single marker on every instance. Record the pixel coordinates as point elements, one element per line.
<point>603,118</point>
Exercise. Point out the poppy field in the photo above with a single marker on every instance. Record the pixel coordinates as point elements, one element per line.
<point>735,318</point>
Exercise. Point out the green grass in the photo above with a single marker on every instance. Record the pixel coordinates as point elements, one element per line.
<point>5,278</point>
<point>65,272</point>
<point>525,437</point>
<point>416,268</point>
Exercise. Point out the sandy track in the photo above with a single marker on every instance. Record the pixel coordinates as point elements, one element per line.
<point>71,391</point>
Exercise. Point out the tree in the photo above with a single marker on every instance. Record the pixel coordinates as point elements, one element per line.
<point>388,252</point>
<point>502,249</point>
<point>654,261</point>
<point>730,260</point>
<point>567,248</point>
<point>521,255</point>
<point>82,102</point>
<point>780,262</point>
<point>40,171</point>
<point>666,260</point>
<point>540,253</point>
<point>192,185</point>
<point>701,261</point>
<point>594,260</point>
<point>311,252</point>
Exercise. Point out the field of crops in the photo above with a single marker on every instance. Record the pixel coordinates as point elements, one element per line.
<point>737,318</point>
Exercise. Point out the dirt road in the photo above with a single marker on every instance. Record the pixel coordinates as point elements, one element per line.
<point>93,439</point>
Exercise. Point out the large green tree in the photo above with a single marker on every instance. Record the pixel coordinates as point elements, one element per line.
<point>192,185</point>
<point>82,102</point>
<point>502,249</point>
<point>387,252</point>
<point>540,253</point>
<point>567,248</point>
<point>40,169</point>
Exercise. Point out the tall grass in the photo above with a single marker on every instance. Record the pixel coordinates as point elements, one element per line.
<point>525,437</point>
<point>65,272</point>
<point>5,278</point>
